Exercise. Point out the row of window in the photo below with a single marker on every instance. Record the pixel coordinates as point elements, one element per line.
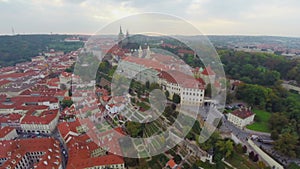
<point>190,99</point>
<point>191,89</point>
<point>192,94</point>
<point>191,103</point>
<point>111,166</point>
<point>36,126</point>
<point>175,88</point>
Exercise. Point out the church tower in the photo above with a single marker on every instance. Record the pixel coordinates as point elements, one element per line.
<point>127,34</point>
<point>140,52</point>
<point>148,53</point>
<point>121,35</point>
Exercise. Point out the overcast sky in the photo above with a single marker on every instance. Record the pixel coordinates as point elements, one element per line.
<point>220,17</point>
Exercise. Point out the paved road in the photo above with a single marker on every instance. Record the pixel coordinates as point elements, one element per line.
<point>243,135</point>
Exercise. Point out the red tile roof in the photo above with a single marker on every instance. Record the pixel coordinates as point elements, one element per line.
<point>98,161</point>
<point>81,147</point>
<point>45,117</point>
<point>66,74</point>
<point>15,75</point>
<point>5,130</point>
<point>242,113</point>
<point>16,149</point>
<point>31,107</point>
<point>185,51</point>
<point>146,62</point>
<point>34,99</point>
<point>13,117</point>
<point>4,82</point>
<point>184,80</point>
<point>7,106</point>
<point>208,71</point>
<point>171,163</point>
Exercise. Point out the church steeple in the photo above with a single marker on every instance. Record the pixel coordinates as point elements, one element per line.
<point>127,34</point>
<point>121,32</point>
<point>121,35</point>
<point>148,53</point>
<point>140,52</point>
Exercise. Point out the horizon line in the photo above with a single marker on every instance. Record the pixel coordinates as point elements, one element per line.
<point>89,34</point>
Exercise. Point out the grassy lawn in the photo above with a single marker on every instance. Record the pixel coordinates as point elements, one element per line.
<point>294,96</point>
<point>143,154</point>
<point>205,165</point>
<point>151,128</point>
<point>241,161</point>
<point>261,122</point>
<point>143,105</point>
<point>158,161</point>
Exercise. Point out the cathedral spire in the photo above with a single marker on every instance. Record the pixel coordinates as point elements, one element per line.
<point>121,30</point>
<point>127,34</point>
<point>148,52</point>
<point>140,52</point>
<point>121,35</point>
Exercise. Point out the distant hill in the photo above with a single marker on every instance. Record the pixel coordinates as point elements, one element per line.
<point>287,42</point>
<point>21,48</point>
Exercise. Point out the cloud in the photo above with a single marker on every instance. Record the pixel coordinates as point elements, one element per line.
<point>274,17</point>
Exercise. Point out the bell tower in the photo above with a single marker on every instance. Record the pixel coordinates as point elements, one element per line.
<point>121,35</point>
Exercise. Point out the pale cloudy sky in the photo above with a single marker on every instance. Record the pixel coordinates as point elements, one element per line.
<point>225,17</point>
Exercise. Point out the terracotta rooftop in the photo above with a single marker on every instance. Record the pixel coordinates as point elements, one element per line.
<point>34,99</point>
<point>97,161</point>
<point>147,63</point>
<point>4,82</point>
<point>13,117</point>
<point>81,146</point>
<point>184,80</point>
<point>208,71</point>
<point>5,130</point>
<point>242,113</point>
<point>44,118</point>
<point>171,163</point>
<point>14,151</point>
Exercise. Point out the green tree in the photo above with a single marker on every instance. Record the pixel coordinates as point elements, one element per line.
<point>286,144</point>
<point>176,98</point>
<point>274,134</point>
<point>261,164</point>
<point>278,121</point>
<point>220,165</point>
<point>211,142</point>
<point>134,129</point>
<point>239,148</point>
<point>229,98</point>
<point>177,159</point>
<point>131,162</point>
<point>293,165</point>
<point>154,86</point>
<point>88,114</point>
<point>147,84</point>
<point>251,155</point>
<point>66,103</point>
<point>217,122</point>
<point>208,90</point>
<point>245,149</point>
<point>167,94</point>
<point>255,95</point>
<point>226,147</point>
<point>270,77</point>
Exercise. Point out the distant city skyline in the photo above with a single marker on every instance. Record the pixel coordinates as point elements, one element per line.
<point>211,17</point>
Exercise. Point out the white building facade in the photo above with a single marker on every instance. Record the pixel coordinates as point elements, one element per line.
<point>241,117</point>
